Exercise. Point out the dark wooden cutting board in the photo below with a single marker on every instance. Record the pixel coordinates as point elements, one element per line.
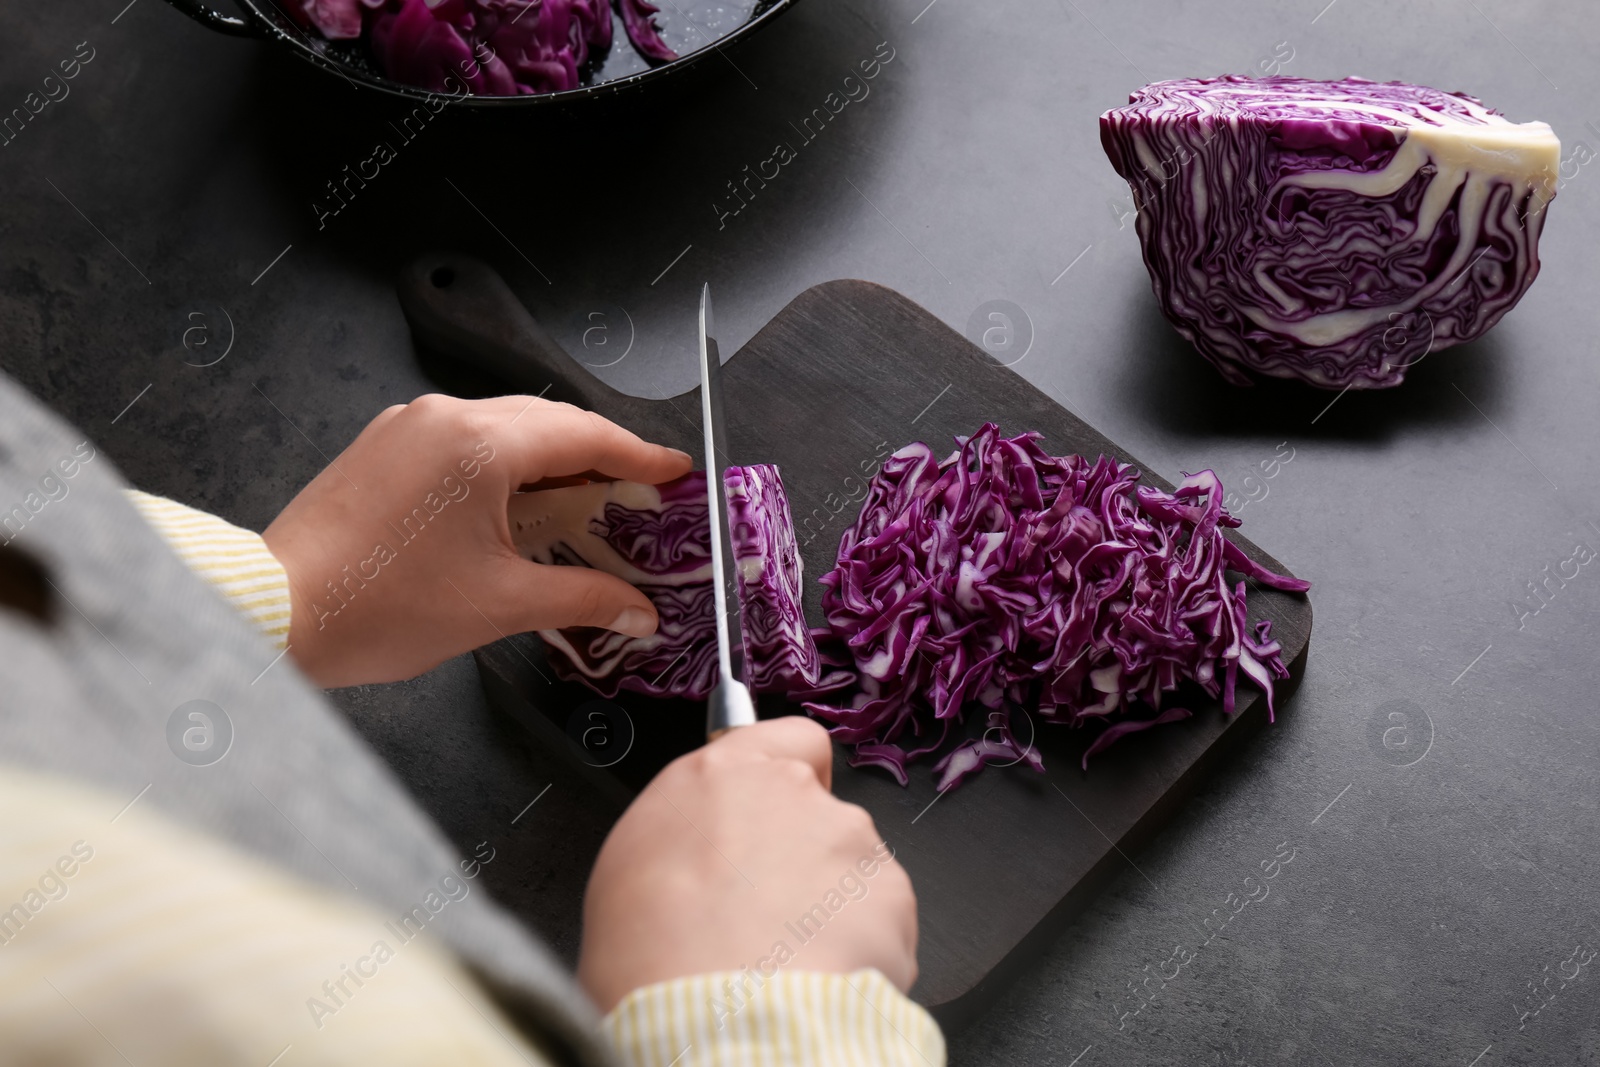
<point>845,374</point>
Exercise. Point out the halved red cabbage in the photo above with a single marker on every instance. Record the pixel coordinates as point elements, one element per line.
<point>1006,577</point>
<point>1331,231</point>
<point>494,47</point>
<point>657,537</point>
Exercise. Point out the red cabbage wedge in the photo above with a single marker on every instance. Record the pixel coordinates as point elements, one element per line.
<point>780,653</point>
<point>1331,231</point>
<point>658,538</point>
<point>1005,577</point>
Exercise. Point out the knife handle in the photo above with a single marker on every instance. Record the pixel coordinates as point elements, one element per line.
<point>459,306</point>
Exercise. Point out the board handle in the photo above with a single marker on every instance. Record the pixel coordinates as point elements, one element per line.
<point>459,306</point>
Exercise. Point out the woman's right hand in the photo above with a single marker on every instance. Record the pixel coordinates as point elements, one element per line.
<point>737,855</point>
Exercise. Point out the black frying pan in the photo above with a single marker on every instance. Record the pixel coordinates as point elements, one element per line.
<point>265,20</point>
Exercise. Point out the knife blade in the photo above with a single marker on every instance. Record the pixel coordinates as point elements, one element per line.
<point>729,704</point>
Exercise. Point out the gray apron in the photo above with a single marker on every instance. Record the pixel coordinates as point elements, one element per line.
<point>130,635</point>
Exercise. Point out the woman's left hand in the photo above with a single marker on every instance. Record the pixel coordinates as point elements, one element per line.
<point>399,554</point>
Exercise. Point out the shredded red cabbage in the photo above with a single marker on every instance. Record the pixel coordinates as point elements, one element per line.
<point>658,538</point>
<point>1005,576</point>
<point>493,47</point>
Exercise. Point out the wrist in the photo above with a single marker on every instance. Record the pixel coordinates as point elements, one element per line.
<point>307,617</point>
<point>792,1016</point>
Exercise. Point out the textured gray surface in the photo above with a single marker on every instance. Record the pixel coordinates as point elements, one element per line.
<point>1419,908</point>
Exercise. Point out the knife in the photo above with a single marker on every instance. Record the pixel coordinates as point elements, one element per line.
<point>729,704</point>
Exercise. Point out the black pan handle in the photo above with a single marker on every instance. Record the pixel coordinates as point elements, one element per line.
<point>460,307</point>
<point>216,20</point>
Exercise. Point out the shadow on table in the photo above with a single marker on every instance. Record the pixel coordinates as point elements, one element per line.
<point>578,205</point>
<point>1168,382</point>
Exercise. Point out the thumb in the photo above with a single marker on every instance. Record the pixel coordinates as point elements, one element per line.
<point>554,597</point>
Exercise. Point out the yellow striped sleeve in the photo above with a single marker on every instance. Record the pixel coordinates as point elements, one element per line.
<point>235,561</point>
<point>125,938</point>
<point>792,1019</point>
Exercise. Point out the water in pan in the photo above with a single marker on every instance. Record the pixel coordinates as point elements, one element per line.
<point>686,25</point>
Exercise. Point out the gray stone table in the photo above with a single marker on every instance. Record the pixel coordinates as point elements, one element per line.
<point>1425,902</point>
